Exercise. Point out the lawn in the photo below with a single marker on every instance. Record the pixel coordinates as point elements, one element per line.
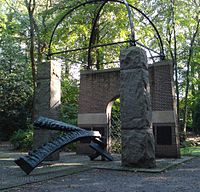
<point>191,151</point>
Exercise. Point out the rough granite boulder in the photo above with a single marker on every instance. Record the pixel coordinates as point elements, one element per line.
<point>138,147</point>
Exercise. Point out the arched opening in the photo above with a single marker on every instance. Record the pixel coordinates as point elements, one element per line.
<point>114,126</point>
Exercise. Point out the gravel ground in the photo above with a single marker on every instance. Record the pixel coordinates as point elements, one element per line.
<point>185,177</point>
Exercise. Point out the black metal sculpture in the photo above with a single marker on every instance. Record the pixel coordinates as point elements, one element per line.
<point>72,133</point>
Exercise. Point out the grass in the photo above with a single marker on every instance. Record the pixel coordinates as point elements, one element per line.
<point>190,151</point>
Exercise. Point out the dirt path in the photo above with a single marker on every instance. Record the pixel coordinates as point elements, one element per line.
<point>184,178</point>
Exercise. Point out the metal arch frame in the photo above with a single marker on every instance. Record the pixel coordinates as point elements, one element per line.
<point>132,41</point>
<point>131,22</point>
<point>92,32</point>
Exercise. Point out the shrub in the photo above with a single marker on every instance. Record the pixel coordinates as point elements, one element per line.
<point>15,105</point>
<point>22,139</point>
<point>115,130</point>
<point>69,99</point>
<point>196,117</point>
<point>70,147</point>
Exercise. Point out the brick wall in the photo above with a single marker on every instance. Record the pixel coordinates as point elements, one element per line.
<point>161,86</point>
<point>99,88</point>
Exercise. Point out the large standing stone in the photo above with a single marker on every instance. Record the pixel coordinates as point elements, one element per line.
<point>47,101</point>
<point>138,148</point>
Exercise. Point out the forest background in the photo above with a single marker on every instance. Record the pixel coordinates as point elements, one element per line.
<point>25,31</point>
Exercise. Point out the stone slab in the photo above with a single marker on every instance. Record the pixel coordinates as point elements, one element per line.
<point>161,165</point>
<point>92,118</point>
<point>163,117</point>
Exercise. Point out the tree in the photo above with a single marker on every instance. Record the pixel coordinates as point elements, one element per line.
<point>15,86</point>
<point>26,27</point>
<point>177,22</point>
<point>188,64</point>
<point>196,117</point>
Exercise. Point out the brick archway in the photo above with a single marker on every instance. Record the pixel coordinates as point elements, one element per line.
<point>99,88</point>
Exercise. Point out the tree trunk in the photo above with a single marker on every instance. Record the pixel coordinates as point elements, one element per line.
<point>31,8</point>
<point>173,54</point>
<point>188,78</point>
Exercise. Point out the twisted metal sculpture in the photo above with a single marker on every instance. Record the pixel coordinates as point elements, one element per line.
<point>72,134</point>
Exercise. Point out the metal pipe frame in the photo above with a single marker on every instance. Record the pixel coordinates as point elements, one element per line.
<point>132,41</point>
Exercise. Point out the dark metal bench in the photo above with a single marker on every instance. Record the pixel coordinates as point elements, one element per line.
<point>71,134</point>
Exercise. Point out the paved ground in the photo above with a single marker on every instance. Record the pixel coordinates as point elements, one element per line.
<point>184,178</point>
<point>73,174</point>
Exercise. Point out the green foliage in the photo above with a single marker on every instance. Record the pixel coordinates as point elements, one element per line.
<point>15,74</point>
<point>115,129</point>
<point>190,147</point>
<point>69,107</point>
<point>22,139</point>
<point>196,117</point>
<point>188,143</point>
<point>70,147</point>
<point>190,151</point>
<point>74,32</point>
<point>15,106</point>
